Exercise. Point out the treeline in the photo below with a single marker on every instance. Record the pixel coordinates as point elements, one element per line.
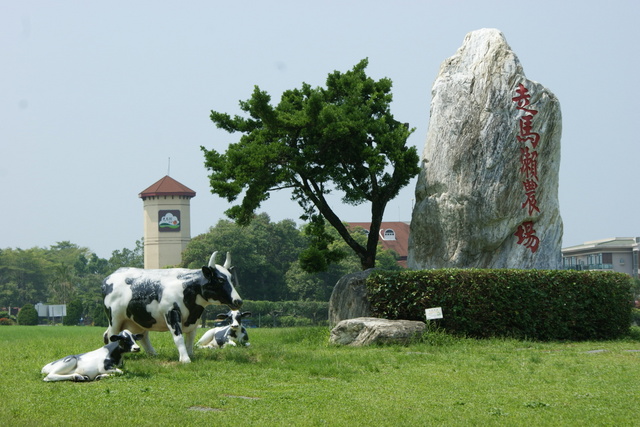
<point>265,255</point>
<point>64,273</point>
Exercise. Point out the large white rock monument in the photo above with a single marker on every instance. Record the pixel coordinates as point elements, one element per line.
<point>487,195</point>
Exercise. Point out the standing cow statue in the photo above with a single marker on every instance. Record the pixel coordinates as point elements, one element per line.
<point>167,300</point>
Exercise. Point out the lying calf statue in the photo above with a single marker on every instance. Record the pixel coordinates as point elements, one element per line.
<point>232,334</point>
<point>96,364</point>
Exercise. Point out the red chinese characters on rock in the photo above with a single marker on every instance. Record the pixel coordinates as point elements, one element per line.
<point>525,233</point>
<point>527,236</point>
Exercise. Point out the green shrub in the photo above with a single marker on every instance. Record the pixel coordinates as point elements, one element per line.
<point>28,315</point>
<point>74,313</point>
<point>534,304</point>
<point>99,316</point>
<point>5,321</point>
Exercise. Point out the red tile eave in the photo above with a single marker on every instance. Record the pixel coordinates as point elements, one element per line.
<point>167,186</point>
<point>148,194</point>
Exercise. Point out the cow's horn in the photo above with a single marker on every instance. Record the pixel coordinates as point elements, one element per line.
<point>212,260</point>
<point>227,262</point>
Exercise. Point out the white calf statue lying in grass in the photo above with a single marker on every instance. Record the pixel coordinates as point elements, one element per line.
<point>231,334</point>
<point>95,364</point>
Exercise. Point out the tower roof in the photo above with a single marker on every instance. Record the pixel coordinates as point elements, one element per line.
<point>167,186</point>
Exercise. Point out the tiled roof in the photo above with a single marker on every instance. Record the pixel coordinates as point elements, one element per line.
<point>401,231</point>
<point>167,186</point>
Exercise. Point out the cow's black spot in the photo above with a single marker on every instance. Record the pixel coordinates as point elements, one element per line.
<point>174,318</point>
<point>194,315</point>
<point>109,315</point>
<point>107,287</point>
<point>191,290</point>
<point>221,336</point>
<point>110,363</point>
<point>143,293</point>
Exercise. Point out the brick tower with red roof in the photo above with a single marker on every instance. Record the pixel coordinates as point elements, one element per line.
<point>167,224</point>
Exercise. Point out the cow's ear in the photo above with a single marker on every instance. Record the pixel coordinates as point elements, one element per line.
<point>246,314</point>
<point>115,338</point>
<point>138,336</point>
<point>208,274</point>
<point>222,316</point>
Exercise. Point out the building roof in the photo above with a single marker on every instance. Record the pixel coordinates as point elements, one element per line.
<point>400,242</point>
<point>610,243</point>
<point>167,186</point>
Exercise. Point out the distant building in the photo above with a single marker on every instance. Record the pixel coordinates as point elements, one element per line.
<point>50,311</point>
<point>167,224</point>
<point>393,235</point>
<point>614,254</point>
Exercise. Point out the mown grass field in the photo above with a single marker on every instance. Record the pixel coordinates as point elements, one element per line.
<point>293,377</point>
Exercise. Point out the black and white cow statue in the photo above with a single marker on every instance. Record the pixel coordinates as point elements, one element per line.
<point>232,334</point>
<point>95,364</point>
<point>167,300</point>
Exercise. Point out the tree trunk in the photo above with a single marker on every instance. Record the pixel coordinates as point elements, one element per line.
<point>368,259</point>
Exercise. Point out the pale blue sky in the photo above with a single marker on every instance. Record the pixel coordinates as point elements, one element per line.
<point>96,96</point>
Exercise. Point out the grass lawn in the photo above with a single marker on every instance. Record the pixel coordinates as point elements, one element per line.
<point>293,377</point>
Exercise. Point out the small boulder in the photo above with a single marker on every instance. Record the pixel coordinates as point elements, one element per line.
<point>370,330</point>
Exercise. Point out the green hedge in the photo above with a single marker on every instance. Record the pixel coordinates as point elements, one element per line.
<point>533,304</point>
<point>277,313</point>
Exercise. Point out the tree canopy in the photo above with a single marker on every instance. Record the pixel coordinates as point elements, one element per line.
<point>261,253</point>
<point>315,141</point>
<point>265,255</point>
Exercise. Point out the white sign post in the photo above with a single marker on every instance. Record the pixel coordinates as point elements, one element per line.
<point>432,314</point>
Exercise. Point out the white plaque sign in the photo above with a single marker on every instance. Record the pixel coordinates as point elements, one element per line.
<point>433,313</point>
